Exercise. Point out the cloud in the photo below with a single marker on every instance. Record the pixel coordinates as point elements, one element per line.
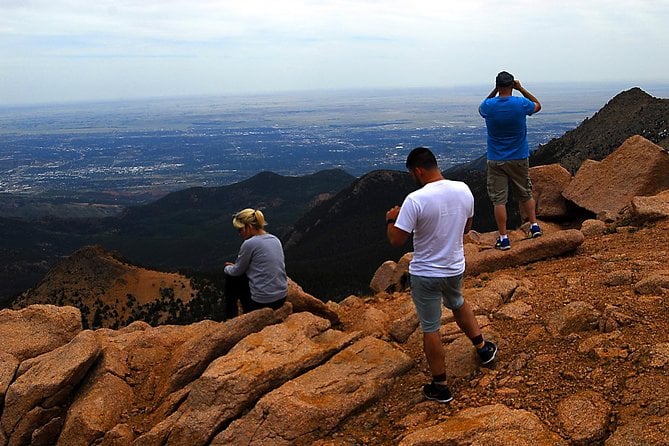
<point>207,45</point>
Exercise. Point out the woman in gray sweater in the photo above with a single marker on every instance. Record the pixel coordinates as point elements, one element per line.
<point>258,278</point>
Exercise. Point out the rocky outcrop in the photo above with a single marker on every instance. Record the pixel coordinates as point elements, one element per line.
<point>490,425</point>
<point>524,252</point>
<point>650,208</point>
<point>37,329</point>
<point>312,405</point>
<point>42,388</point>
<point>256,365</point>
<point>182,385</point>
<point>548,183</point>
<point>78,392</point>
<point>637,168</point>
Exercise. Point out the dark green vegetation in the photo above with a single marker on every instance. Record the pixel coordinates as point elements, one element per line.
<point>193,228</point>
<point>334,250</point>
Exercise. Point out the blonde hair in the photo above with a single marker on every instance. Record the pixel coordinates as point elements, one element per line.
<point>251,217</point>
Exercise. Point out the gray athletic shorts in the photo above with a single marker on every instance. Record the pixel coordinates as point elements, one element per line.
<point>503,173</point>
<point>428,293</point>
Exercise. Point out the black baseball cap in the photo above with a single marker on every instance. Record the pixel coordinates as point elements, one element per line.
<point>504,79</point>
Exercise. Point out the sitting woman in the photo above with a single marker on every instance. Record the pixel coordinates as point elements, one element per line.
<point>258,278</point>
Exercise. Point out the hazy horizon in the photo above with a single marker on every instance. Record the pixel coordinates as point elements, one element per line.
<point>150,147</point>
<point>659,89</point>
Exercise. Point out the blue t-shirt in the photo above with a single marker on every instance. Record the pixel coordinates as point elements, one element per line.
<point>507,129</point>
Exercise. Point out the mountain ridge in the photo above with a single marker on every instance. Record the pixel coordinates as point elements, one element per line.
<point>631,112</point>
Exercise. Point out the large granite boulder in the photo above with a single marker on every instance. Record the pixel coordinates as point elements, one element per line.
<point>637,168</point>
<point>40,394</point>
<point>495,425</point>
<point>548,183</point>
<point>524,251</point>
<point>312,405</point>
<point>256,365</point>
<point>37,329</point>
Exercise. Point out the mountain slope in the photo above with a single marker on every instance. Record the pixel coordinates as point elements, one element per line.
<point>334,249</point>
<point>192,228</point>
<point>110,292</point>
<point>632,112</point>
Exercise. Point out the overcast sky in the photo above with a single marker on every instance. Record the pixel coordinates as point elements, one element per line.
<point>72,50</point>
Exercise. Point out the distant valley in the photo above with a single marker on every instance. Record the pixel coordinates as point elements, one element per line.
<point>125,153</point>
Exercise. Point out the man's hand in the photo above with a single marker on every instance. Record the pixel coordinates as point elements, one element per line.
<point>396,236</point>
<point>393,213</point>
<point>528,95</point>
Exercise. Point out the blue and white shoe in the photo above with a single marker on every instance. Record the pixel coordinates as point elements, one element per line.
<point>503,244</point>
<point>535,231</point>
<point>487,353</point>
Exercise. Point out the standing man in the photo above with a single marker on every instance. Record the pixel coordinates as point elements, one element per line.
<point>438,214</point>
<point>508,152</point>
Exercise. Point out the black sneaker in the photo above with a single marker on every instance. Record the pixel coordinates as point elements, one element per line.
<point>437,392</point>
<point>487,352</point>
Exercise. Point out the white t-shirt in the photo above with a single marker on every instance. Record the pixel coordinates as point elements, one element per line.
<point>437,214</point>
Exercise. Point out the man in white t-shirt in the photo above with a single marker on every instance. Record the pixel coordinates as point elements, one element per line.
<point>438,214</point>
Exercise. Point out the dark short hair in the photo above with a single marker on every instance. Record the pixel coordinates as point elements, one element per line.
<point>421,157</point>
<point>504,79</point>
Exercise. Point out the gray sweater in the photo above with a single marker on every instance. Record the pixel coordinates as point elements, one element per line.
<point>261,259</point>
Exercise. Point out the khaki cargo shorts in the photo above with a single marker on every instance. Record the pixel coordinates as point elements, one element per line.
<point>501,174</point>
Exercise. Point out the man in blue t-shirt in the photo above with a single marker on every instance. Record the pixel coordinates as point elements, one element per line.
<point>508,152</point>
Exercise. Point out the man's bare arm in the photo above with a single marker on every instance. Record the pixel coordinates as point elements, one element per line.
<point>528,95</point>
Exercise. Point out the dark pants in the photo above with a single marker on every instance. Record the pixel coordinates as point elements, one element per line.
<point>237,291</point>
